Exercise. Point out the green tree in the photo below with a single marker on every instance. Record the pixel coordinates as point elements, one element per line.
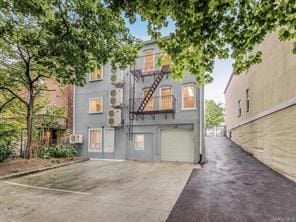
<point>214,113</point>
<point>206,30</point>
<point>58,39</point>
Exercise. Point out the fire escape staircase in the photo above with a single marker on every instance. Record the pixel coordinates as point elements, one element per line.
<point>152,89</point>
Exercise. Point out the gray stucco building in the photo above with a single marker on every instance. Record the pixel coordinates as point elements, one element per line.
<point>140,113</point>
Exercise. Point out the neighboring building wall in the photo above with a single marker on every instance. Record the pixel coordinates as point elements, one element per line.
<point>268,129</point>
<point>84,121</point>
<point>61,96</point>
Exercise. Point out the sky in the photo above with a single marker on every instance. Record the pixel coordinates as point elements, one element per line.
<point>221,72</point>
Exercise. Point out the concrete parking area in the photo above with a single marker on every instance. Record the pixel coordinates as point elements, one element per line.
<point>95,191</point>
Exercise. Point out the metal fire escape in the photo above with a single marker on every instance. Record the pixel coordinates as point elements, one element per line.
<point>149,104</point>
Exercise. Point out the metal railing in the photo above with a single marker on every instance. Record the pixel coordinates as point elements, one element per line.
<point>157,104</point>
<point>150,64</point>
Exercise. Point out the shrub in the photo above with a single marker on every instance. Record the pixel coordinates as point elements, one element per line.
<point>6,152</point>
<point>57,152</point>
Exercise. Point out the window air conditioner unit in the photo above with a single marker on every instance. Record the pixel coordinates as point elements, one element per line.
<point>116,97</point>
<point>116,78</point>
<point>114,117</point>
<point>75,138</point>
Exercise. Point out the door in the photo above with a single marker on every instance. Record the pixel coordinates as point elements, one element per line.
<point>149,105</point>
<point>109,136</point>
<point>177,145</point>
<point>148,61</point>
<point>165,98</point>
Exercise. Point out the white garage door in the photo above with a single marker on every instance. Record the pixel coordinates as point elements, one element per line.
<point>177,145</point>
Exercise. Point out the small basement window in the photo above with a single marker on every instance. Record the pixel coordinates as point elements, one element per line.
<point>139,142</point>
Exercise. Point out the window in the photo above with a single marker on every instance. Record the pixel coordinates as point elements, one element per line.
<point>166,98</point>
<point>139,143</point>
<point>95,105</point>
<point>148,61</point>
<point>188,96</point>
<point>247,100</point>
<point>239,108</point>
<point>149,105</point>
<point>97,74</point>
<point>95,140</point>
<point>166,60</point>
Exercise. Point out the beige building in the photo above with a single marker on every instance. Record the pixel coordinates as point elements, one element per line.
<point>260,107</point>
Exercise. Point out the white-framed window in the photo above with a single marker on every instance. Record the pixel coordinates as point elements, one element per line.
<point>96,105</point>
<point>188,96</point>
<point>139,142</point>
<point>109,137</point>
<point>95,140</point>
<point>149,61</point>
<point>165,98</point>
<point>97,74</point>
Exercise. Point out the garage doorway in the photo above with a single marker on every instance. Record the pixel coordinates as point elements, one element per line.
<point>177,145</point>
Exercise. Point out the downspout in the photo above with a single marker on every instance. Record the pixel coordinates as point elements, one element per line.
<point>201,128</point>
<point>73,110</point>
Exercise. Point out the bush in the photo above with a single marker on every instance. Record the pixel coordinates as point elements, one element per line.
<point>6,152</point>
<point>57,152</point>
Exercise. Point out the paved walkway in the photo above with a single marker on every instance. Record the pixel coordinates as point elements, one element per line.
<point>234,186</point>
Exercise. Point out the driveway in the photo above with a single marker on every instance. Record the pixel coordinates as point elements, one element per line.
<point>95,191</point>
<point>234,186</point>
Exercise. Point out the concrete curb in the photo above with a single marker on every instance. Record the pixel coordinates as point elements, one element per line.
<point>15,175</point>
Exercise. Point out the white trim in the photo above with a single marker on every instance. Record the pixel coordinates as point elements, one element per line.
<point>88,147</point>
<point>45,188</point>
<point>89,99</point>
<point>105,139</point>
<point>111,160</point>
<point>274,109</point>
<point>136,147</point>
<point>160,96</point>
<point>102,74</point>
<point>194,91</point>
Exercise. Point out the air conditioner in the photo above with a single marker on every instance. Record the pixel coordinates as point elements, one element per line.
<point>116,78</point>
<point>75,138</point>
<point>116,97</point>
<point>114,117</point>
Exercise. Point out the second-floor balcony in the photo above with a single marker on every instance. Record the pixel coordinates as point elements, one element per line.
<point>155,105</point>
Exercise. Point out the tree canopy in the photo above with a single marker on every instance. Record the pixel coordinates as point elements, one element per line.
<point>210,29</point>
<point>58,39</point>
<point>214,113</point>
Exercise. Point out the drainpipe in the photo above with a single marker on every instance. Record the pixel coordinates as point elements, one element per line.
<point>103,142</point>
<point>201,128</point>
<point>73,112</point>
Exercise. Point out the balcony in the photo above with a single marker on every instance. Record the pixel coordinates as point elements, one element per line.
<point>156,105</point>
<point>151,64</point>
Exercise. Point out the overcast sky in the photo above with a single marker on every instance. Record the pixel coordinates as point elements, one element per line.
<point>222,70</point>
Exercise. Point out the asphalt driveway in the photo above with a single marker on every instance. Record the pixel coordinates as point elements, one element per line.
<point>95,191</point>
<point>234,186</point>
